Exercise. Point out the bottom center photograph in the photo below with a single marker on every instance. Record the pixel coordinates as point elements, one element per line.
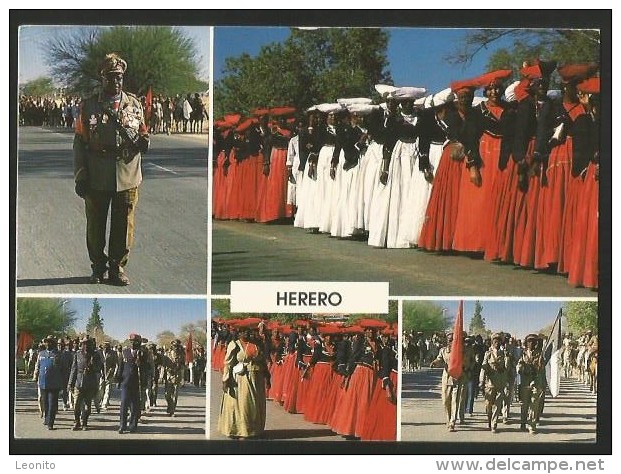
<point>304,377</point>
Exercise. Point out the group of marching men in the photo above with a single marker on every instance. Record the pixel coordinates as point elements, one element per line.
<point>342,377</point>
<point>501,369</point>
<point>512,176</point>
<point>82,375</point>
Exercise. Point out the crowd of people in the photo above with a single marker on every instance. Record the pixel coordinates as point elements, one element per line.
<point>511,177</point>
<point>179,114</point>
<point>48,111</point>
<point>341,376</point>
<point>82,374</point>
<point>502,369</point>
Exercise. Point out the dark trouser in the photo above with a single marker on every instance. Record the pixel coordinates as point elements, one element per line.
<point>50,405</point>
<point>83,398</point>
<point>123,206</point>
<point>171,391</point>
<point>64,394</point>
<point>130,401</point>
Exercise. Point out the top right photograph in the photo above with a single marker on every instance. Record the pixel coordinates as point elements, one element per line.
<point>447,162</point>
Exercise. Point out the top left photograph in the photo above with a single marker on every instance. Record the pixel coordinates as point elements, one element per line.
<point>112,178</point>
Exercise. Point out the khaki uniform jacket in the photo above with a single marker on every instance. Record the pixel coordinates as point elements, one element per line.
<point>98,146</point>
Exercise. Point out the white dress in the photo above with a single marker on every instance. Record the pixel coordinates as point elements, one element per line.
<point>368,177</point>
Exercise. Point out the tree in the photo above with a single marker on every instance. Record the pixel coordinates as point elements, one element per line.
<point>198,331</point>
<point>43,316</point>
<point>477,323</point>
<point>310,67</point>
<point>424,316</point>
<point>581,316</point>
<point>165,337</point>
<point>160,57</point>
<point>94,325</point>
<point>41,86</point>
<point>563,45</point>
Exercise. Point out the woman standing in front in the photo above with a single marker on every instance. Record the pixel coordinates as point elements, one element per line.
<point>244,382</point>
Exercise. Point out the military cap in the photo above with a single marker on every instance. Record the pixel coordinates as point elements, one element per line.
<point>135,337</point>
<point>531,337</point>
<point>113,63</point>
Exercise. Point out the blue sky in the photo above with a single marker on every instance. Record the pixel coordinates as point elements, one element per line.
<point>32,41</point>
<point>517,317</point>
<point>145,316</point>
<point>416,55</point>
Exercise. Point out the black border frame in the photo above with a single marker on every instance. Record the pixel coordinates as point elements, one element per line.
<point>601,19</point>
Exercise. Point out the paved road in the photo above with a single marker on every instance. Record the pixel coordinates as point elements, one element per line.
<point>170,251</point>
<point>246,251</point>
<point>279,425</point>
<point>188,423</point>
<point>571,417</point>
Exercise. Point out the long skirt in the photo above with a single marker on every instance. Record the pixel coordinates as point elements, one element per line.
<point>418,197</point>
<point>438,229</point>
<point>381,424</point>
<point>219,188</point>
<point>321,394</point>
<point>242,413</point>
<point>232,190</point>
<point>344,213</point>
<point>404,156</point>
<point>552,205</point>
<point>272,195</point>
<point>329,188</point>
<point>368,176</point>
<point>474,201</point>
<point>353,403</point>
<point>584,266</point>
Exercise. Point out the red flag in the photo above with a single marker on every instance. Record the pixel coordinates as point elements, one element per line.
<point>189,355</point>
<point>456,359</point>
<point>149,104</point>
<point>24,341</point>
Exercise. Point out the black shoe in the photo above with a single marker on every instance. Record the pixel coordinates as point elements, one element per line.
<point>77,426</point>
<point>118,279</point>
<point>50,427</point>
<point>133,429</point>
<point>97,277</point>
<point>122,431</point>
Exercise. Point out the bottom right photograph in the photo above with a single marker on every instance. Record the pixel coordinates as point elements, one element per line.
<point>499,371</point>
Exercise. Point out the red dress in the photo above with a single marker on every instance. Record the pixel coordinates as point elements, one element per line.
<point>381,424</point>
<point>584,269</point>
<point>232,189</point>
<point>272,197</point>
<point>353,402</point>
<point>248,175</point>
<point>439,226</point>
<point>219,188</point>
<point>551,212</point>
<point>472,226</point>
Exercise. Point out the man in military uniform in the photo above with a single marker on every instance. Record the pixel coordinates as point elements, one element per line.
<point>131,382</point>
<point>110,137</point>
<point>174,367</point>
<point>83,381</point>
<point>149,370</point>
<point>494,380</point>
<point>531,368</point>
<point>452,388</point>
<point>47,374</point>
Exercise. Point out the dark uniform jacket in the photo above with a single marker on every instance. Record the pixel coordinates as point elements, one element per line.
<point>132,368</point>
<point>85,370</point>
<point>101,155</point>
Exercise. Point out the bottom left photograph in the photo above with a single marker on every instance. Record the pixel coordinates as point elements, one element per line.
<point>104,368</point>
